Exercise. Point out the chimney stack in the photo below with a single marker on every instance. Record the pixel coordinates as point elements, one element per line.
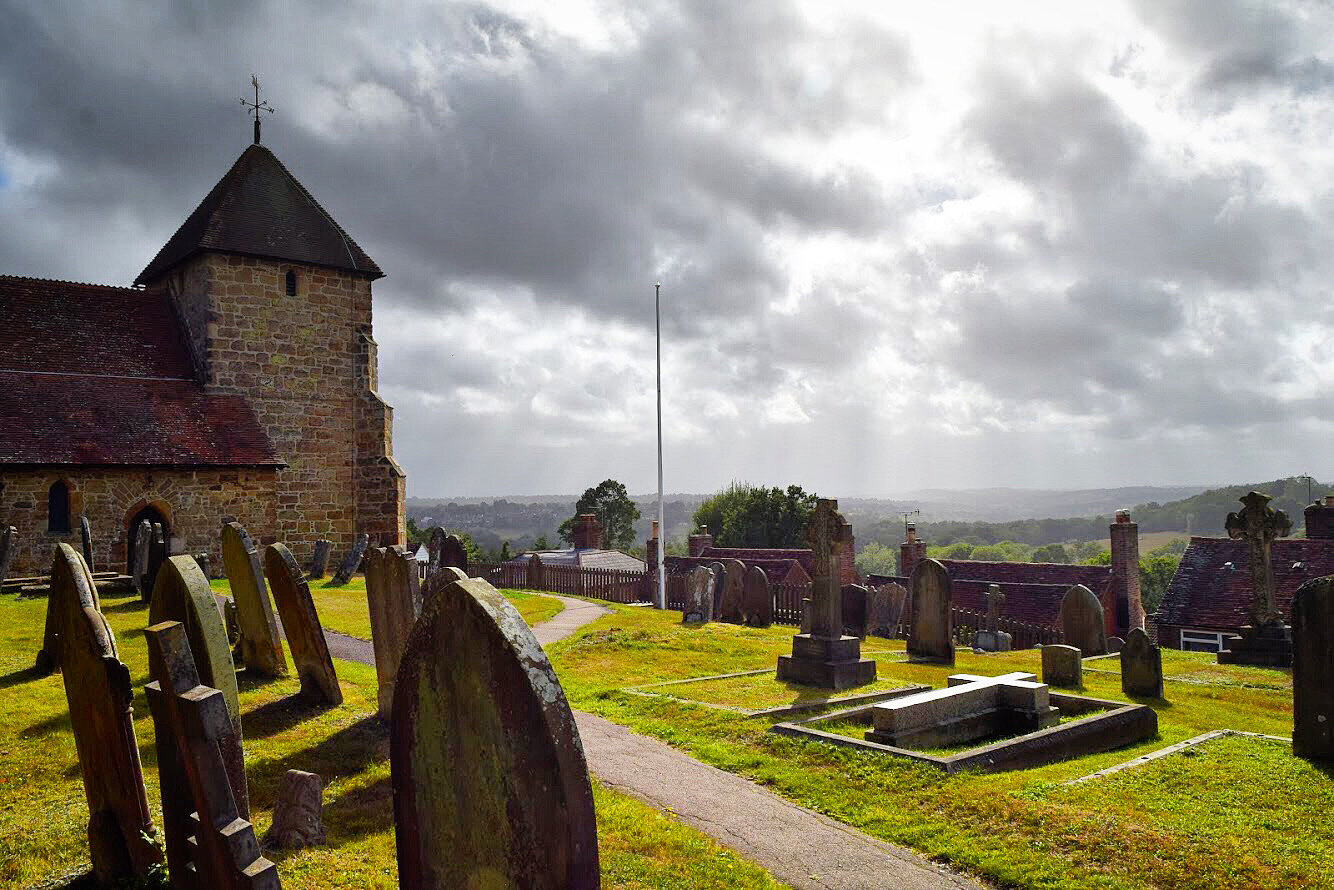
<point>1129,610</point>
<point>1320,519</point>
<point>911,551</point>
<point>587,534</point>
<point>700,541</point>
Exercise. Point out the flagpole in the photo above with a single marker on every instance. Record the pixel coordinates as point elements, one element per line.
<point>662,526</point>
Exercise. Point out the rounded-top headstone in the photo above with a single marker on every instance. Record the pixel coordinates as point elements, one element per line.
<point>699,596</point>
<point>931,637</point>
<point>1083,622</point>
<point>1141,666</point>
<point>757,600</point>
<point>734,581</point>
<point>301,623</point>
<point>1313,669</point>
<point>261,649</point>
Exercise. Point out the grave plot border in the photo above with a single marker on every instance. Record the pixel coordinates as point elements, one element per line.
<point>644,690</point>
<point>1119,724</point>
<point>1175,749</point>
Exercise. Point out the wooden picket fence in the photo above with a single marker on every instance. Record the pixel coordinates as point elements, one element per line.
<point>1022,636</point>
<point>612,585</point>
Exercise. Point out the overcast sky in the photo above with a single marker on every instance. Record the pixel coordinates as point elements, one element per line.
<point>1058,245</point>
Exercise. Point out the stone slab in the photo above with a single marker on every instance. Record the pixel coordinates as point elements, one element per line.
<point>352,561</point>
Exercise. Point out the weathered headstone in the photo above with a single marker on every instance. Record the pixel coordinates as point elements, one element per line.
<point>1083,622</point>
<point>1313,669</point>
<point>437,581</point>
<point>490,783</point>
<point>734,585</point>
<point>1115,645</point>
<point>435,549</point>
<point>536,573</point>
<point>1062,666</point>
<point>301,623</point>
<point>454,553</point>
<point>261,648</point>
<point>390,598</point>
<point>719,585</point>
<point>757,600</point>
<point>182,593</point>
<point>805,614</point>
<point>699,596</point>
<point>8,544</point>
<point>86,540</point>
<point>205,563</point>
<point>931,637</point>
<point>884,609</point>
<point>319,562</point>
<point>352,561</point>
<point>1266,641</point>
<point>298,816</point>
<point>143,549</point>
<point>214,841</point>
<point>97,686</point>
<point>993,639</point>
<point>854,609</point>
<point>157,554</point>
<point>1141,666</point>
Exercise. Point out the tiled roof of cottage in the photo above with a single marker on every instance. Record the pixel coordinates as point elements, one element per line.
<point>1204,593</point>
<point>590,558</point>
<point>1031,603</point>
<point>98,375</point>
<point>260,209</point>
<point>1095,578</point>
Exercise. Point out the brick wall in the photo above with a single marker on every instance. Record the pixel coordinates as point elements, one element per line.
<point>192,501</point>
<point>1125,609</point>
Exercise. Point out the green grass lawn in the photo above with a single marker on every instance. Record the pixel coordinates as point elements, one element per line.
<point>43,812</point>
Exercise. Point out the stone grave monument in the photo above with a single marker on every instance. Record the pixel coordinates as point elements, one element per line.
<point>393,612</point>
<point>86,539</point>
<point>757,599</point>
<point>301,622</point>
<point>157,555</point>
<point>884,608</point>
<point>824,656</point>
<point>734,584</point>
<point>298,815</point>
<point>454,553</point>
<point>1082,621</point>
<point>319,562</point>
<point>969,709</point>
<point>261,647</point>
<point>1062,666</point>
<point>931,636</point>
<point>1266,641</point>
<point>699,596</point>
<point>1313,669</point>
<point>993,639</point>
<point>352,561</point>
<point>490,783</point>
<point>435,550</point>
<point>854,609</point>
<point>8,543</point>
<point>1141,666</point>
<point>143,547</point>
<point>536,573</point>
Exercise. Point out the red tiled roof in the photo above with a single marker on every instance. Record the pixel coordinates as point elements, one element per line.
<point>1095,578</point>
<point>1206,594</point>
<point>259,209</point>
<point>588,558</point>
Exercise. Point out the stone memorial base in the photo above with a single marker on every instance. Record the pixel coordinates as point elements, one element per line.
<point>1267,646</point>
<point>992,641</point>
<point>969,709</point>
<point>826,663</point>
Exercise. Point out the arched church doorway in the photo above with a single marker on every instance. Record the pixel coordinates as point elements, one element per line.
<point>152,514</point>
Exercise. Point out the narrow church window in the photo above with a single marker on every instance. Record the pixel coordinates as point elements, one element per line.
<point>291,283</point>
<point>57,508</point>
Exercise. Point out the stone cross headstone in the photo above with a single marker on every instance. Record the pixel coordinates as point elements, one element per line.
<point>969,708</point>
<point>993,639</point>
<point>352,561</point>
<point>182,594</point>
<point>261,647</point>
<point>298,816</point>
<point>390,598</point>
<point>86,539</point>
<point>1258,525</point>
<point>8,543</point>
<point>1313,669</point>
<point>536,573</point>
<point>757,599</point>
<point>995,599</point>
<point>454,553</point>
<point>143,548</point>
<point>699,596</point>
<point>1141,666</point>
<point>854,608</point>
<point>734,583</point>
<point>319,562</point>
<point>218,842</point>
<point>1083,622</point>
<point>931,636</point>
<point>1062,666</point>
<point>825,535</point>
<point>97,687</point>
<point>490,783</point>
<point>301,623</point>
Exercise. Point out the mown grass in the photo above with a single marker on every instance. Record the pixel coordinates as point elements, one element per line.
<point>43,812</point>
<point>1017,829</point>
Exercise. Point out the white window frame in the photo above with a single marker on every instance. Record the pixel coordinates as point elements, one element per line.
<point>1202,638</point>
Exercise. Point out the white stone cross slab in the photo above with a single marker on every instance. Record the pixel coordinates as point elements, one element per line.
<point>965,696</point>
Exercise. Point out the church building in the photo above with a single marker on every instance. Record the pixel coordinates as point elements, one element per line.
<point>237,379</point>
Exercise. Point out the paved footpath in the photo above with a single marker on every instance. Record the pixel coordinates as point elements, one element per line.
<point>798,847</point>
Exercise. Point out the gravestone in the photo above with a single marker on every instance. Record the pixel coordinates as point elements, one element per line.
<point>757,600</point>
<point>536,573</point>
<point>854,609</point>
<point>97,687</point>
<point>261,648</point>
<point>143,548</point>
<point>993,639</point>
<point>86,539</point>
<point>884,608</point>
<point>319,562</point>
<point>1115,645</point>
<point>1062,666</point>
<point>490,784</point>
<point>719,584</point>
<point>205,563</point>
<point>931,636</point>
<point>214,846</point>
<point>390,598</point>
<point>734,585</point>
<point>352,561</point>
<point>301,623</point>
<point>699,596</point>
<point>1313,669</point>
<point>8,544</point>
<point>435,550</point>
<point>298,816</point>
<point>454,553</point>
<point>1141,666</point>
<point>157,555</point>
<point>182,594</point>
<point>805,614</point>
<point>1266,641</point>
<point>1082,621</point>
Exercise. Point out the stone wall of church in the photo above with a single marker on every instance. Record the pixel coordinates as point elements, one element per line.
<point>194,503</point>
<point>381,484</point>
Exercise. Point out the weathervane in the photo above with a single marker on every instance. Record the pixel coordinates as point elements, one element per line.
<point>257,106</point>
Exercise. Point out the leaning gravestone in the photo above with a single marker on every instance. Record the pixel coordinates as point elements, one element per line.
<point>319,563</point>
<point>490,783</point>
<point>390,599</point>
<point>1141,666</point>
<point>143,549</point>
<point>261,648</point>
<point>757,600</point>
<point>86,539</point>
<point>1082,621</point>
<point>454,553</point>
<point>734,583</point>
<point>352,561</point>
<point>301,623</point>
<point>1313,669</point>
<point>854,609</point>
<point>182,593</point>
<point>97,687</point>
<point>213,846</point>
<point>699,596</point>
<point>931,637</point>
<point>1062,666</point>
<point>8,542</point>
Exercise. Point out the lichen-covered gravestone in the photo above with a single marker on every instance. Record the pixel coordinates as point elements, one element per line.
<point>699,596</point>
<point>1062,666</point>
<point>86,540</point>
<point>143,548</point>
<point>734,584</point>
<point>1141,666</point>
<point>884,609</point>
<point>298,816</point>
<point>757,600</point>
<point>931,637</point>
<point>319,562</point>
<point>8,543</point>
<point>182,593</point>
<point>854,609</point>
<point>435,550</point>
<point>490,783</point>
<point>389,596</point>
<point>1313,669</point>
<point>261,649</point>
<point>97,687</point>
<point>352,561</point>
<point>1082,621</point>
<point>301,623</point>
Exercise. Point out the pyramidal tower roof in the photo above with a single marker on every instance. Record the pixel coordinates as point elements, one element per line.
<point>259,209</point>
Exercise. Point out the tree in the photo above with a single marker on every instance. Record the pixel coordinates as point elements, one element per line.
<point>541,542</point>
<point>1051,553</point>
<point>616,513</point>
<point>877,559</point>
<point>744,515</point>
